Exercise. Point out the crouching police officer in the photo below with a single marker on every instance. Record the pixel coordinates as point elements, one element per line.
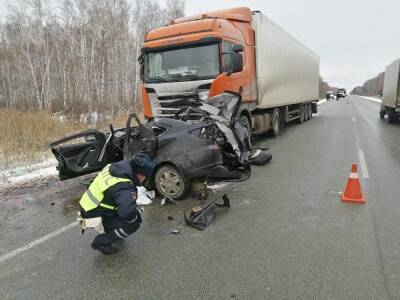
<point>112,196</point>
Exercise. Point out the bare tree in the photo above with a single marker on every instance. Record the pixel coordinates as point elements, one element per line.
<point>76,56</point>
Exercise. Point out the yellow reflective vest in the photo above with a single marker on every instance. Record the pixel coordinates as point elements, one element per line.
<point>94,195</point>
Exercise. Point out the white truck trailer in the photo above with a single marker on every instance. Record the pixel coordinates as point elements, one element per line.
<point>391,93</point>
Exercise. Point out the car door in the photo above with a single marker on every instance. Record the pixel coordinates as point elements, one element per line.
<point>81,153</point>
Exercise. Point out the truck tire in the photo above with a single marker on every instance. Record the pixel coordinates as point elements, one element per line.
<point>300,120</point>
<point>305,112</point>
<point>310,109</point>
<point>382,112</point>
<point>244,121</point>
<point>392,117</point>
<point>276,122</point>
<point>169,182</point>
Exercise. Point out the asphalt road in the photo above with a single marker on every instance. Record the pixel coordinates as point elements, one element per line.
<point>286,236</point>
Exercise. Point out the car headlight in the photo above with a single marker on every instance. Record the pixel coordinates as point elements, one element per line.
<point>203,95</point>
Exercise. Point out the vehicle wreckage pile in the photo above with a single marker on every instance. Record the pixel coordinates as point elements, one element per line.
<point>205,142</point>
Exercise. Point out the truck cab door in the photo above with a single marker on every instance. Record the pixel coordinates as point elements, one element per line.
<point>237,81</point>
<point>80,154</point>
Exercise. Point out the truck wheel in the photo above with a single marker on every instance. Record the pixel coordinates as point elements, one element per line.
<point>276,122</point>
<point>392,117</point>
<point>382,112</point>
<point>244,122</point>
<point>300,120</point>
<point>169,182</point>
<point>310,111</point>
<point>305,112</point>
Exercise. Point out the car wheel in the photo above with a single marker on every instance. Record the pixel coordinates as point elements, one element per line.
<point>244,122</point>
<point>276,122</point>
<point>169,182</point>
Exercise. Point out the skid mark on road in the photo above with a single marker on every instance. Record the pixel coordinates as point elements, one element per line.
<point>37,242</point>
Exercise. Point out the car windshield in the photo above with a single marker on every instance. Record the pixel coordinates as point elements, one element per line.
<point>183,64</point>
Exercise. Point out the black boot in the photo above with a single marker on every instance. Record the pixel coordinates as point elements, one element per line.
<point>105,249</point>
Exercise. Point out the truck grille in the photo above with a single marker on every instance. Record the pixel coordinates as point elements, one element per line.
<point>168,106</point>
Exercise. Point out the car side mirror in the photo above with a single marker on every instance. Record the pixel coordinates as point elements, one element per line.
<point>237,62</point>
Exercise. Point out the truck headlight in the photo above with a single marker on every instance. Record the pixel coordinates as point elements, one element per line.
<point>203,95</point>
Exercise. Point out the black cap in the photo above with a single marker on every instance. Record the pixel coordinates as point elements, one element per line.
<point>142,163</point>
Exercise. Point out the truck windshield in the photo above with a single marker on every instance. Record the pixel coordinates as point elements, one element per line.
<point>183,64</point>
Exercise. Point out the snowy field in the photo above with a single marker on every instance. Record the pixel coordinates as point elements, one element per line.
<point>28,172</point>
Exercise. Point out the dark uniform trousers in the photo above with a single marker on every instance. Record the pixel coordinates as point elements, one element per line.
<point>117,229</point>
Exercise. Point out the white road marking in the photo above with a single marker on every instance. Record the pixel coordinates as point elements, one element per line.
<point>363,163</point>
<point>354,119</point>
<point>37,242</point>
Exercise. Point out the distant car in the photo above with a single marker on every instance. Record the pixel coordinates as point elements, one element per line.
<point>329,95</point>
<point>341,93</point>
<point>215,146</point>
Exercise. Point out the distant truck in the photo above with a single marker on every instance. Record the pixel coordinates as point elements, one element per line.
<point>391,93</point>
<point>330,95</point>
<point>341,93</point>
<point>197,57</point>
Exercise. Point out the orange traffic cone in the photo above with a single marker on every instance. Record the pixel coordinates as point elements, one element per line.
<point>352,192</point>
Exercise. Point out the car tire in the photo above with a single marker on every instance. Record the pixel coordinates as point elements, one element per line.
<point>300,120</point>
<point>276,122</point>
<point>169,182</point>
<point>244,121</point>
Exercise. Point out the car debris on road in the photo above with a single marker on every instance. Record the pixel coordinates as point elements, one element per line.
<point>201,217</point>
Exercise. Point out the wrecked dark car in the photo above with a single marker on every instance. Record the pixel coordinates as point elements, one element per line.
<point>206,141</point>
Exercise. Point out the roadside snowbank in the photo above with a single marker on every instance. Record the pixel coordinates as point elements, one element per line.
<point>28,173</point>
<point>371,99</point>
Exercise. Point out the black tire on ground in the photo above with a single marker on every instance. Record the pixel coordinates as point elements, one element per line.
<point>276,122</point>
<point>306,112</point>
<point>381,114</point>
<point>244,121</point>
<point>310,111</point>
<point>392,117</point>
<point>169,182</point>
<point>300,120</point>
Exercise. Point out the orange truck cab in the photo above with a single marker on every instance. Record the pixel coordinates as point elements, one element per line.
<point>197,57</point>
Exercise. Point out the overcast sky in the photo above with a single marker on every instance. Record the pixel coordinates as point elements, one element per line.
<point>355,39</point>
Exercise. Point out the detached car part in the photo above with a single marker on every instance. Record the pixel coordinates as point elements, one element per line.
<point>200,218</point>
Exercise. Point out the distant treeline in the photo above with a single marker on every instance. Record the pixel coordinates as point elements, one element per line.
<point>324,87</point>
<point>371,87</point>
<point>75,56</point>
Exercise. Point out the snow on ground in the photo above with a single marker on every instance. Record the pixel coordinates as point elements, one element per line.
<point>31,172</point>
<point>372,99</point>
<point>322,101</point>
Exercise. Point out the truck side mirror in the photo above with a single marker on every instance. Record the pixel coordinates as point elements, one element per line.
<point>237,62</point>
<point>237,48</point>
